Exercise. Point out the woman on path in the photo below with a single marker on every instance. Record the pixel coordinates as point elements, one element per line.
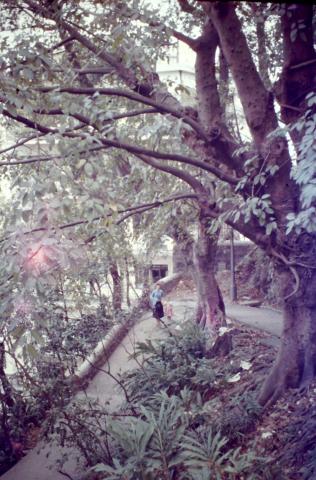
<point>155,301</point>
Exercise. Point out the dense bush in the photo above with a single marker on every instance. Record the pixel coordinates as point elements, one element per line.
<point>170,426</point>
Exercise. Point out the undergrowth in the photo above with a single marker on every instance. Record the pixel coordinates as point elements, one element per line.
<point>173,424</point>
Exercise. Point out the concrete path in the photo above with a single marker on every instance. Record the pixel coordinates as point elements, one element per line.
<point>262,318</point>
<point>40,463</point>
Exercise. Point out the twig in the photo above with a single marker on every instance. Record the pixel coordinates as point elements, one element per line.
<point>303,64</point>
<point>293,271</point>
<point>65,474</point>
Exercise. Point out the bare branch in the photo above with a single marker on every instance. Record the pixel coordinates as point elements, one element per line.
<point>61,43</point>
<point>156,204</point>
<point>303,64</point>
<point>29,123</point>
<point>22,142</point>
<point>48,158</point>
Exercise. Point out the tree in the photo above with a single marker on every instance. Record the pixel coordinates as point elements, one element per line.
<point>270,187</point>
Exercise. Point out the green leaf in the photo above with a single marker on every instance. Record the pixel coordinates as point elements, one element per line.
<point>88,169</point>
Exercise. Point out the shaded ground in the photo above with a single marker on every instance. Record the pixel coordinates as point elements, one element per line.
<point>263,318</point>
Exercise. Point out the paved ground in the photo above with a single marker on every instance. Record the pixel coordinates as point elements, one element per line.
<point>40,464</point>
<point>262,318</point>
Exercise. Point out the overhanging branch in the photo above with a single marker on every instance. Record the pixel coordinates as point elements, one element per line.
<point>128,211</point>
<point>136,97</point>
<point>182,175</point>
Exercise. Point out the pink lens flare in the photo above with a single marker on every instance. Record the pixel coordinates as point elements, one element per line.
<point>39,260</point>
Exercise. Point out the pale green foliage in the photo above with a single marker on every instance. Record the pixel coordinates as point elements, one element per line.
<point>203,456</point>
<point>304,173</point>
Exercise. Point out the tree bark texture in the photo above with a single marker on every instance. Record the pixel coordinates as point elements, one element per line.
<point>295,365</point>
<point>210,109</point>
<point>211,310</point>
<point>117,286</point>
<point>198,258</point>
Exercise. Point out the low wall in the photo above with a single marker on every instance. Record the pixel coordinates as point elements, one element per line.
<point>102,352</point>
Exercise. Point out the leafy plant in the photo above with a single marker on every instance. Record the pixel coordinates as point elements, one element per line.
<point>205,454</point>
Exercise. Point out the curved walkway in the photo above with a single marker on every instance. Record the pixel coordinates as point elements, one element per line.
<point>263,318</point>
<point>40,463</point>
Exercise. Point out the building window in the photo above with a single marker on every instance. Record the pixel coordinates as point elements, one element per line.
<point>158,272</point>
<point>173,54</point>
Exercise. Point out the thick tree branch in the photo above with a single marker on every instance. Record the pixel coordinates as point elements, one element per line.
<point>185,6</point>
<point>129,148</point>
<point>256,101</point>
<point>135,150</point>
<point>263,60</point>
<point>211,115</point>
<point>136,97</point>
<point>116,116</point>
<point>181,174</point>
<point>28,123</point>
<point>191,42</point>
<point>258,107</point>
<point>38,126</point>
<point>152,88</point>
<point>126,74</point>
<point>173,157</point>
<point>101,70</point>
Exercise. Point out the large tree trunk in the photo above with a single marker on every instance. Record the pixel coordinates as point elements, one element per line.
<point>295,365</point>
<point>198,258</point>
<point>210,310</point>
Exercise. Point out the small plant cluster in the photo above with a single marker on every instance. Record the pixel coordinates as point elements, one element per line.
<point>170,426</point>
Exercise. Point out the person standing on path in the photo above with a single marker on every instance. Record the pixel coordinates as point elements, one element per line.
<point>155,301</point>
